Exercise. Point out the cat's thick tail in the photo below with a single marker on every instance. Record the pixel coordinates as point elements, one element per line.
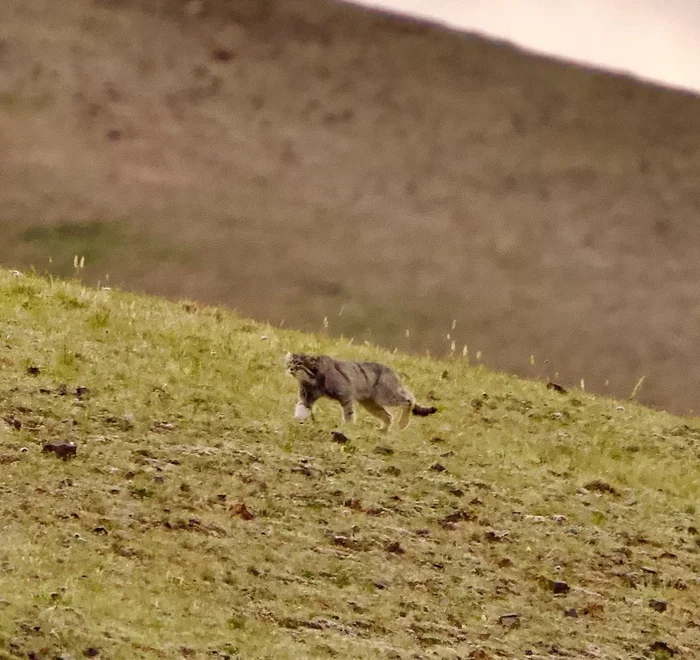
<point>423,411</point>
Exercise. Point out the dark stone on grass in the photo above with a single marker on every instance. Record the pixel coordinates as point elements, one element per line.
<point>511,620</point>
<point>91,652</point>
<point>479,654</point>
<point>33,371</point>
<point>662,647</point>
<point>438,467</point>
<point>383,450</point>
<point>658,605</point>
<point>559,587</point>
<point>339,437</point>
<point>395,548</point>
<point>571,612</point>
<point>64,450</point>
<point>556,387</point>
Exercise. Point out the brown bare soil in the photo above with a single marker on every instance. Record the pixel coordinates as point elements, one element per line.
<point>299,159</point>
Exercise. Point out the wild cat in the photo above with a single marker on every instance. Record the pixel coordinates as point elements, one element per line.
<point>372,385</point>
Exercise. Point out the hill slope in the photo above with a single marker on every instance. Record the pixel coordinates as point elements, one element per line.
<point>302,159</point>
<point>199,520</point>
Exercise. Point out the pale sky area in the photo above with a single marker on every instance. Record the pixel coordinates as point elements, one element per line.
<point>654,39</point>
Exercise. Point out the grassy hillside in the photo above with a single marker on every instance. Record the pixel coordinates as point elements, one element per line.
<point>297,159</point>
<point>199,520</point>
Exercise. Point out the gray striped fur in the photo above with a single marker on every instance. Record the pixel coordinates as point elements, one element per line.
<point>374,386</point>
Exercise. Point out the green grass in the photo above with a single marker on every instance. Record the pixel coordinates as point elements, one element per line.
<point>406,546</point>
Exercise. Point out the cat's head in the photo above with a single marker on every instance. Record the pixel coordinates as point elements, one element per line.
<point>303,367</point>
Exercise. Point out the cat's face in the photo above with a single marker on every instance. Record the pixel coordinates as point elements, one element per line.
<point>302,367</point>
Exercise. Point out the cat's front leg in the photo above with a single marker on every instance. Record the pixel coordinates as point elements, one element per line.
<point>301,411</point>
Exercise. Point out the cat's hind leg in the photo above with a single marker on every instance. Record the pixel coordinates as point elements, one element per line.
<point>380,412</point>
<point>405,418</point>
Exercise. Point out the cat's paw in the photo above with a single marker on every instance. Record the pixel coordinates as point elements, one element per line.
<point>301,411</point>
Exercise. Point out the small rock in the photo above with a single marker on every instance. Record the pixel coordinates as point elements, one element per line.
<point>33,371</point>
<point>64,450</point>
<point>663,647</point>
<point>81,391</point>
<point>495,536</point>
<point>395,548</point>
<point>91,652</point>
<point>339,437</point>
<point>556,387</point>
<point>571,612</point>
<point>658,605</point>
<point>479,654</point>
<point>438,467</point>
<point>101,529</point>
<point>511,620</point>
<point>559,587</point>
<point>383,450</point>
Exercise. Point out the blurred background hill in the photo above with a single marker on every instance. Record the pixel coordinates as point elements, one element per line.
<point>302,160</point>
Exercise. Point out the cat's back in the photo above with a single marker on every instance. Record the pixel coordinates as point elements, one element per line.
<point>366,377</point>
